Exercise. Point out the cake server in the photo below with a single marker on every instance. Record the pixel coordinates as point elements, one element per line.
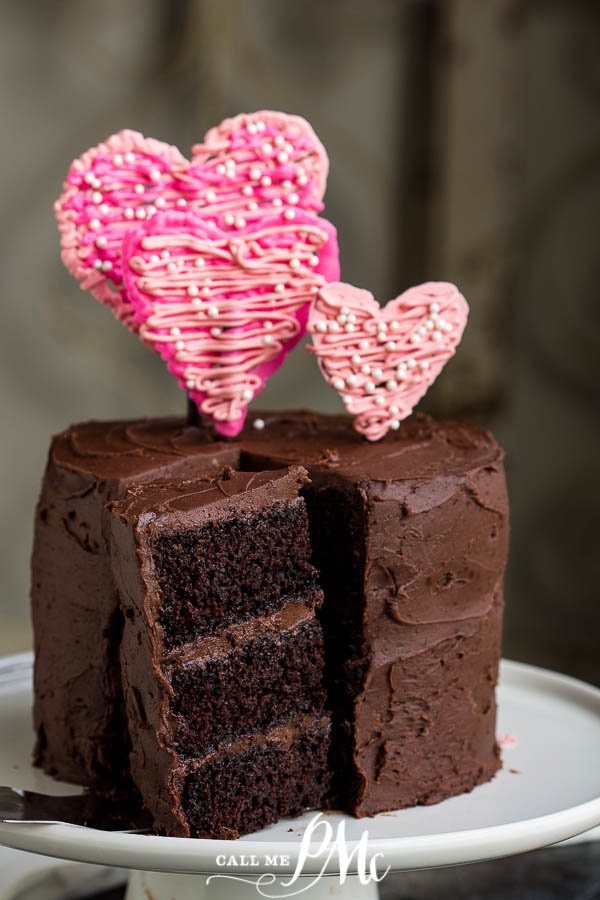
<point>84,810</point>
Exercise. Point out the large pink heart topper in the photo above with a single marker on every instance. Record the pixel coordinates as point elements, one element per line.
<point>383,360</point>
<point>223,309</point>
<point>247,167</point>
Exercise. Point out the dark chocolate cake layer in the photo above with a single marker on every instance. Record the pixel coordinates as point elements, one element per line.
<point>78,710</point>
<point>173,697</point>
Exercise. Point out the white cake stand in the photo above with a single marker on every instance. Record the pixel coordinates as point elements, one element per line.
<point>548,790</point>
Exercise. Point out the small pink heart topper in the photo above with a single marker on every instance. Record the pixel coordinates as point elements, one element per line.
<point>224,309</point>
<point>383,360</point>
<point>248,167</point>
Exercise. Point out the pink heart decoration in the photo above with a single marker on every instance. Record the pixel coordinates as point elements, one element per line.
<point>383,360</point>
<point>224,309</point>
<point>247,167</point>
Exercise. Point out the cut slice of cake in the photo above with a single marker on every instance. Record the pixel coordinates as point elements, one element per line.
<point>78,710</point>
<point>222,654</point>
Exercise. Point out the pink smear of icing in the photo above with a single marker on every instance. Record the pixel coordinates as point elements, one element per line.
<point>507,741</point>
<point>224,309</point>
<point>254,165</point>
<point>383,360</point>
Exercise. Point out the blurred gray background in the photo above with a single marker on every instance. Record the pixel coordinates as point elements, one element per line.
<point>465,145</point>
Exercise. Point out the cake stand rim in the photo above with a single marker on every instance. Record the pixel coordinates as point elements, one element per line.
<point>198,856</point>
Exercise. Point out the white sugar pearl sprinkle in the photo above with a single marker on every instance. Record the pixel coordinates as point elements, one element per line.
<point>221,169</point>
<point>351,380</point>
<point>415,338</point>
<point>268,339</point>
<point>200,263</point>
<point>97,197</point>
<point>356,359</point>
<point>104,208</point>
<point>279,140</point>
<point>211,196</point>
<point>154,174</point>
<point>380,401</point>
<point>342,319</point>
<point>434,307</point>
<point>106,265</point>
<point>394,424</point>
<point>247,395</point>
<point>429,324</point>
<point>314,261</point>
<point>255,173</point>
<point>130,157</point>
<point>370,385</point>
<point>333,326</point>
<point>349,327</point>
<point>155,258</point>
<point>381,326</point>
<point>424,364</point>
<point>422,330</point>
<point>160,202</point>
<point>139,188</point>
<point>175,331</point>
<point>179,345</point>
<point>215,331</point>
<point>344,311</point>
<point>294,263</point>
<point>391,385</point>
<point>193,290</point>
<point>283,157</point>
<point>338,384</point>
<point>95,224</point>
<point>286,185</point>
<point>377,372</point>
<point>278,202</point>
<point>140,213</point>
<point>279,288</point>
<point>260,125</point>
<point>165,254</point>
<point>266,181</point>
<point>267,149</point>
<point>196,301</point>
<point>390,345</point>
<point>259,424</point>
<point>251,129</point>
<point>240,222</point>
<point>321,326</point>
<point>171,267</point>
<point>213,311</point>
<point>393,410</point>
<point>182,202</point>
<point>190,384</point>
<point>436,335</point>
<point>118,159</point>
<point>411,363</point>
<point>293,199</point>
<point>364,344</point>
<point>247,190</point>
<point>205,291</point>
<point>366,369</point>
<point>252,206</point>
<point>289,214</point>
<point>229,218</point>
<point>302,180</point>
<point>394,325</point>
<point>101,241</point>
<point>269,326</point>
<point>97,263</point>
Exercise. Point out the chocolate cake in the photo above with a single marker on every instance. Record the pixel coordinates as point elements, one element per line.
<point>409,536</point>
<point>222,655</point>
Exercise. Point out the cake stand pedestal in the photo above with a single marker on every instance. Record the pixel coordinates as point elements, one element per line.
<point>143,885</point>
<point>547,791</point>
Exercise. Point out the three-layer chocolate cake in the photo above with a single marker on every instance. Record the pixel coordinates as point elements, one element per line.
<point>409,538</point>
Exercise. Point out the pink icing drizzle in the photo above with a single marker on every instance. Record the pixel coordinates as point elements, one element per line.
<point>224,309</point>
<point>247,167</point>
<point>383,360</point>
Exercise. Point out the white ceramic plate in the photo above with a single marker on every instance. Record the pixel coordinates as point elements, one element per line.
<point>548,790</point>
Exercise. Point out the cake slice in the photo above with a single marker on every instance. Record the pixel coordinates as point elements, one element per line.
<point>78,712</point>
<point>222,654</point>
